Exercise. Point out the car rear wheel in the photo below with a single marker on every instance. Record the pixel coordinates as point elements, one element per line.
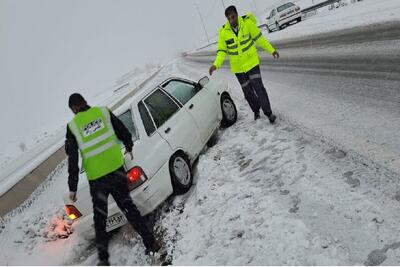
<point>181,173</point>
<point>278,28</point>
<point>229,112</point>
<point>268,29</point>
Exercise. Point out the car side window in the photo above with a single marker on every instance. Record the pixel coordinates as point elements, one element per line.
<point>182,91</point>
<point>127,119</point>
<point>161,107</point>
<point>146,119</point>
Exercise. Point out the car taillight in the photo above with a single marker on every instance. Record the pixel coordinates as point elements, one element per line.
<point>136,177</point>
<point>72,212</point>
<point>283,15</point>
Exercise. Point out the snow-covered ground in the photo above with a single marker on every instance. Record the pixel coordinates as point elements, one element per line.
<point>358,14</point>
<point>264,195</point>
<point>20,163</point>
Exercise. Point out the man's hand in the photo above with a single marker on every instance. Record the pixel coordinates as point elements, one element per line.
<point>212,69</point>
<point>72,196</point>
<point>129,153</point>
<point>275,54</point>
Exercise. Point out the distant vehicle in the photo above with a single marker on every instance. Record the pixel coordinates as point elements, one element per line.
<point>340,3</point>
<point>170,125</point>
<point>282,16</point>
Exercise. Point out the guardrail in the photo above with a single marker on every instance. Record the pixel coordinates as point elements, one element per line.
<point>317,6</point>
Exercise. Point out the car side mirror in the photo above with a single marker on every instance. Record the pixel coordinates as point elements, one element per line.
<point>203,81</point>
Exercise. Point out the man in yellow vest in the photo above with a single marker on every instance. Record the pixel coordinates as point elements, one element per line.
<point>237,38</point>
<point>94,132</point>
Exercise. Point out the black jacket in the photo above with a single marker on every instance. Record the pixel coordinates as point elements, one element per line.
<point>72,150</point>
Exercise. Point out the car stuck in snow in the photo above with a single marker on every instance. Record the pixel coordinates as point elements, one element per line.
<point>170,124</point>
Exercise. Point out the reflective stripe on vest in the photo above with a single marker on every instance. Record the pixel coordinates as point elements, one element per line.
<point>248,47</point>
<point>245,41</point>
<point>100,149</point>
<point>257,37</point>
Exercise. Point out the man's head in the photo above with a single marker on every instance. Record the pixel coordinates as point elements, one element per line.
<point>232,15</point>
<point>76,103</point>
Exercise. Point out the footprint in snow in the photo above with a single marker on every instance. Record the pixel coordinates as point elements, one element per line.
<point>353,182</point>
<point>336,153</point>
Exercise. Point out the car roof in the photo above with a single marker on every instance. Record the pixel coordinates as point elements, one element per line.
<point>140,93</point>
<point>289,2</point>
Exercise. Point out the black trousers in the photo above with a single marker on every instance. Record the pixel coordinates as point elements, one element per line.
<point>116,184</point>
<point>254,90</point>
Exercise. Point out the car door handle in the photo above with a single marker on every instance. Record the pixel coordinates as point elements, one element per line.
<point>191,106</point>
<point>167,130</point>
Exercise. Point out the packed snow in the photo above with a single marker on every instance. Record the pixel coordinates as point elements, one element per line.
<point>263,195</point>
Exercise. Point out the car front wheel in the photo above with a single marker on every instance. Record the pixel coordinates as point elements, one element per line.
<point>181,173</point>
<point>229,112</point>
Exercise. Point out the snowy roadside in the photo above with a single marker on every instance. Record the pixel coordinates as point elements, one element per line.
<point>12,171</point>
<point>272,195</point>
<point>262,195</point>
<point>358,14</point>
<point>279,196</point>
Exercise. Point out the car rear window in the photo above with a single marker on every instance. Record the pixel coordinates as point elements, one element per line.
<point>127,120</point>
<point>147,122</point>
<point>285,6</point>
<point>161,107</point>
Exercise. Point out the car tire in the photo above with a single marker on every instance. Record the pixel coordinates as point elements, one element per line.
<point>229,111</point>
<point>213,139</point>
<point>278,28</point>
<point>268,29</point>
<point>181,173</point>
<point>298,20</point>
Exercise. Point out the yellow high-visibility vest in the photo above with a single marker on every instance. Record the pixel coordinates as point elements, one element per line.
<point>241,49</point>
<point>97,142</point>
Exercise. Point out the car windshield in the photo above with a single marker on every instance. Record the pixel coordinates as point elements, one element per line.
<point>285,6</point>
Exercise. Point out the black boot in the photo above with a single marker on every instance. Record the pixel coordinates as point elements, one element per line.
<point>272,118</point>
<point>103,263</point>
<point>256,115</point>
<point>154,247</point>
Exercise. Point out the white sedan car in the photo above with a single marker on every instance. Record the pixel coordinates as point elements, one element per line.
<point>170,126</point>
<point>283,16</point>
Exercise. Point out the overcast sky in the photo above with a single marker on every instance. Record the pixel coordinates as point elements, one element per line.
<point>51,48</point>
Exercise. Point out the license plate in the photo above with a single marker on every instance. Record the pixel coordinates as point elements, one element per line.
<point>116,219</point>
<point>291,11</point>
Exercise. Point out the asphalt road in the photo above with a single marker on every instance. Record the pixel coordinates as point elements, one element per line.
<point>343,86</point>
